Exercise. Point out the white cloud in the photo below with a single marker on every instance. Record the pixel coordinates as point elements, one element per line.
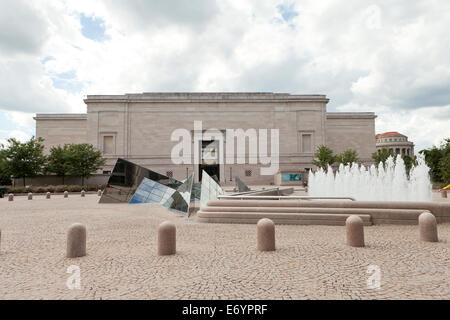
<point>387,57</point>
<point>22,119</point>
<point>17,134</point>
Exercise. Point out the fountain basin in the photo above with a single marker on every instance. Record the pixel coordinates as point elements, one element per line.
<point>320,212</point>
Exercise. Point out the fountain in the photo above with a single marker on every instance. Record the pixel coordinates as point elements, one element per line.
<point>383,183</point>
<point>382,194</point>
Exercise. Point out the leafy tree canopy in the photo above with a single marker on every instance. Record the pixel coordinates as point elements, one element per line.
<point>59,161</point>
<point>347,157</point>
<point>382,155</point>
<point>437,159</point>
<point>84,160</point>
<point>5,175</point>
<point>323,157</point>
<point>25,159</point>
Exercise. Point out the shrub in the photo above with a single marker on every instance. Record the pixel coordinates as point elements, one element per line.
<point>74,188</point>
<point>61,188</point>
<point>18,190</point>
<point>39,189</point>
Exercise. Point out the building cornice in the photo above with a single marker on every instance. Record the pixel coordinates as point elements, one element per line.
<point>187,97</point>
<point>60,116</point>
<point>351,115</point>
<point>394,143</point>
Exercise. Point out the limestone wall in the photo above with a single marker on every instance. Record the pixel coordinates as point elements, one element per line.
<point>61,129</point>
<point>138,127</point>
<point>352,131</point>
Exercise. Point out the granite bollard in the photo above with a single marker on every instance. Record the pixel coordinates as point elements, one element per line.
<point>428,227</point>
<point>30,196</point>
<point>265,235</point>
<point>99,193</point>
<point>66,194</point>
<point>167,238</point>
<point>83,193</point>
<point>76,241</point>
<point>48,195</point>
<point>355,231</point>
<point>10,197</point>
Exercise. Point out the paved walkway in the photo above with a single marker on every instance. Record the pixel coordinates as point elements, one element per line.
<point>214,261</point>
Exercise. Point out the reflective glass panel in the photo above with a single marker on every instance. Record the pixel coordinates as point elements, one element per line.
<point>175,200</point>
<point>209,190</point>
<point>196,190</point>
<point>151,192</point>
<point>180,200</point>
<point>241,186</point>
<point>125,179</point>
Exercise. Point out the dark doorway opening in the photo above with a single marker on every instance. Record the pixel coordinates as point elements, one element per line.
<point>210,159</point>
<point>212,170</point>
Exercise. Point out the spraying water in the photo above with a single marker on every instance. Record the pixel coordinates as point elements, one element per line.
<point>383,183</point>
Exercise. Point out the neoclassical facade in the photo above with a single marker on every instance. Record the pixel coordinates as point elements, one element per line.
<point>396,142</point>
<point>139,128</point>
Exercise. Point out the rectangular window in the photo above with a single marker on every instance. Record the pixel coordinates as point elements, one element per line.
<point>306,143</point>
<point>108,145</point>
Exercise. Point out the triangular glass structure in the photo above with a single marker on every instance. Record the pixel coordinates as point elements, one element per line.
<point>196,191</point>
<point>180,200</point>
<point>241,186</point>
<point>175,200</point>
<point>210,189</point>
<point>125,179</point>
<point>150,191</point>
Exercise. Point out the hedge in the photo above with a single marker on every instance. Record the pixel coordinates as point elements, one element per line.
<point>52,189</point>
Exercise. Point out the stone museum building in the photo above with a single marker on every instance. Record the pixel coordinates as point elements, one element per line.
<point>139,127</point>
<point>396,142</point>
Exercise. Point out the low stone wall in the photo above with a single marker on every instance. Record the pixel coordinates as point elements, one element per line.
<point>320,212</point>
<point>52,180</point>
<point>267,192</point>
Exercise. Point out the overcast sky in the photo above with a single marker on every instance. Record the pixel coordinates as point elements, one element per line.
<point>391,57</point>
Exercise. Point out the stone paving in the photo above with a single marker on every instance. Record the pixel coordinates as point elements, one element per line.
<point>213,261</point>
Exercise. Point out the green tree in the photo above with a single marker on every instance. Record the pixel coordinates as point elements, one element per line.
<point>382,155</point>
<point>409,162</point>
<point>84,160</point>
<point>5,176</point>
<point>25,160</point>
<point>323,157</point>
<point>433,157</point>
<point>347,157</point>
<point>59,161</point>
<point>444,167</point>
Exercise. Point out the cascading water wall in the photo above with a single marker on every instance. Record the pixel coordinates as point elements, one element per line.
<point>376,183</point>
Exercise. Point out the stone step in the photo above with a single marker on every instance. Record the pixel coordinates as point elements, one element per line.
<point>279,218</point>
<point>379,214</point>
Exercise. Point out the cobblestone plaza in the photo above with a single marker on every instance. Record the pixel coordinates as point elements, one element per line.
<point>213,261</point>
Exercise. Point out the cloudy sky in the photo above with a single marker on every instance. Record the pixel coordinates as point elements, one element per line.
<point>389,56</point>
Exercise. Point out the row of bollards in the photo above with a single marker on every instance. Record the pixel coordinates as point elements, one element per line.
<point>76,240</point>
<point>76,236</point>
<point>48,195</point>
<point>355,229</point>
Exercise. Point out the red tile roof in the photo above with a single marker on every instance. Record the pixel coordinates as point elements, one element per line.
<point>391,133</point>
